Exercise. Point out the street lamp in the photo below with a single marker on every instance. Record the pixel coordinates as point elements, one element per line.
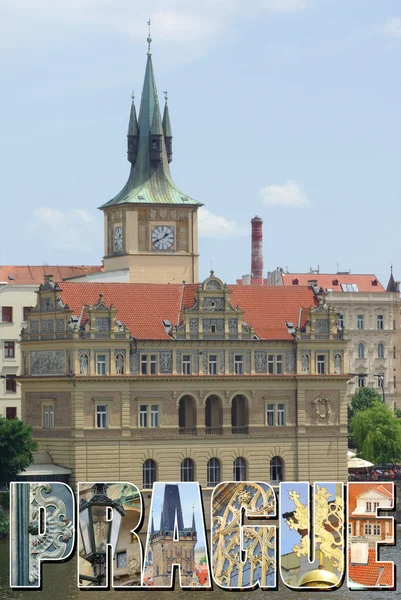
<point>380,382</point>
<point>97,531</point>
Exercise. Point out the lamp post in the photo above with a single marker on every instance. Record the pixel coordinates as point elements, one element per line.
<point>380,381</point>
<point>97,531</point>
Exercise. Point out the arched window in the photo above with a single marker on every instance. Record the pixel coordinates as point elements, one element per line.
<point>380,351</point>
<point>361,351</point>
<point>149,473</point>
<point>187,470</point>
<point>213,472</point>
<point>239,469</point>
<point>276,469</point>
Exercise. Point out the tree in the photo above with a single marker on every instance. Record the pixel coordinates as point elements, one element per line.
<point>364,398</point>
<point>377,434</point>
<point>16,447</point>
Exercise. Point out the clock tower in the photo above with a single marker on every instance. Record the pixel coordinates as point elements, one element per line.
<point>151,227</point>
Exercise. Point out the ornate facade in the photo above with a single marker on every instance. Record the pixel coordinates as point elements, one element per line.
<point>202,382</point>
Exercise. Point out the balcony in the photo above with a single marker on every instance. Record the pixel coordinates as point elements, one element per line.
<point>240,430</point>
<point>214,430</point>
<point>187,431</point>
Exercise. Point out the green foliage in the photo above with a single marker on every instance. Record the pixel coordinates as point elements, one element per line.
<point>5,500</point>
<point>377,434</point>
<point>16,447</point>
<point>361,400</point>
<point>397,412</point>
<point>203,560</point>
<point>4,523</point>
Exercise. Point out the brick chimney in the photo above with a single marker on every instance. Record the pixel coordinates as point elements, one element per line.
<point>257,248</point>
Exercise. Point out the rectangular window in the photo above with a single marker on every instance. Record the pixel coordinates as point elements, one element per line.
<point>380,322</point>
<point>377,530</point>
<point>368,507</point>
<point>11,413</point>
<point>361,381</point>
<point>9,349</point>
<point>101,416</point>
<point>239,364</point>
<point>394,381</point>
<point>368,529</point>
<point>11,383</point>
<point>101,364</point>
<point>121,560</point>
<point>279,364</point>
<point>349,528</point>
<point>7,314</point>
<point>340,321</point>
<point>148,364</point>
<point>270,415</point>
<point>186,364</point>
<point>270,364</point>
<point>375,506</point>
<point>25,312</point>
<point>154,415</point>
<point>321,364</point>
<point>48,416</point>
<point>359,322</point>
<point>143,415</point>
<point>149,415</point>
<point>212,364</point>
<point>281,415</point>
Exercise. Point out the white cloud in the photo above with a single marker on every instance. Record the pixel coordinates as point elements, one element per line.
<point>211,225</point>
<point>392,28</point>
<point>73,229</point>
<point>288,194</point>
<point>182,21</point>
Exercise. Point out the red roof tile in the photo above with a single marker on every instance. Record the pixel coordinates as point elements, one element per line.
<point>365,283</point>
<point>373,574</point>
<point>34,275</point>
<point>143,306</point>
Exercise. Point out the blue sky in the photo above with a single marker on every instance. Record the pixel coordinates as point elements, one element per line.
<point>284,108</point>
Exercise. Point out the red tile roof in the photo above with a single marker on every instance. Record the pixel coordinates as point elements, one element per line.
<point>373,574</point>
<point>356,489</point>
<point>143,306</point>
<point>34,275</point>
<point>365,283</point>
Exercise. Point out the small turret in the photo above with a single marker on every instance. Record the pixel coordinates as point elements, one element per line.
<point>156,135</point>
<point>133,134</point>
<point>168,134</point>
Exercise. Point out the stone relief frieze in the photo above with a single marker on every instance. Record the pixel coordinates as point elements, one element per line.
<point>48,362</point>
<point>248,362</point>
<point>134,362</point>
<point>209,323</point>
<point>46,304</point>
<point>47,325</point>
<point>260,361</point>
<point>35,327</point>
<point>233,326</point>
<point>322,326</point>
<point>222,361</point>
<point>322,411</point>
<point>213,304</point>
<point>213,285</point>
<point>193,325</point>
<point>178,361</point>
<point>166,361</point>
<point>102,324</point>
<point>290,362</point>
<point>231,362</point>
<point>196,362</point>
<point>204,360</point>
<point>59,325</point>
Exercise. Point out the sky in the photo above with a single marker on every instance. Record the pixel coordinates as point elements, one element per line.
<point>286,109</point>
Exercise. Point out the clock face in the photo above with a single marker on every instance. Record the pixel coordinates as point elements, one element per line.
<point>118,239</point>
<point>163,237</point>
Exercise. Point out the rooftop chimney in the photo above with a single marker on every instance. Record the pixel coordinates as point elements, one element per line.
<point>257,248</point>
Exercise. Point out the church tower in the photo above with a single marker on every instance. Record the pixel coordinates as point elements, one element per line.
<point>151,227</point>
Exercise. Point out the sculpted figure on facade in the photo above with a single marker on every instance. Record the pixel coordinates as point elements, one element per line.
<point>83,364</point>
<point>120,364</point>
<point>337,364</point>
<point>322,411</point>
<point>305,364</point>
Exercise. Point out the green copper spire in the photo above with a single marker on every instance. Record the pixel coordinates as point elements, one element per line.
<point>133,134</point>
<point>150,181</point>
<point>133,121</point>
<point>168,134</point>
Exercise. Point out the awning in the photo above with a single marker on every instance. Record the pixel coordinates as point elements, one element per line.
<point>42,470</point>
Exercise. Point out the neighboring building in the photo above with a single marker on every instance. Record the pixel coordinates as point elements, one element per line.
<point>370,315</point>
<point>364,499</point>
<point>18,286</point>
<point>365,531</point>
